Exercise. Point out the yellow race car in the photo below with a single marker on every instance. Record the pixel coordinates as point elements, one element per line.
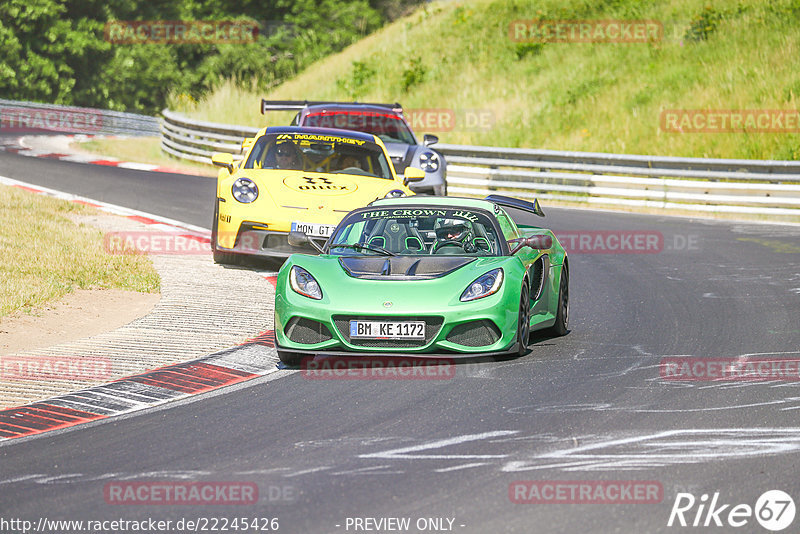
<point>297,179</point>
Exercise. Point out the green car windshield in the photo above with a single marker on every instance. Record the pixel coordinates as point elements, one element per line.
<point>319,153</point>
<point>415,231</point>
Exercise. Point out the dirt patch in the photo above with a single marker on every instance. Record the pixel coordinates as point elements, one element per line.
<point>83,313</point>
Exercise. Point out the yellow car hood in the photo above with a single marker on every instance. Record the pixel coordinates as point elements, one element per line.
<point>286,196</point>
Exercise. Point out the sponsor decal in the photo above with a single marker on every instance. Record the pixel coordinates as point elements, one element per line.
<point>413,213</point>
<point>320,185</point>
<point>321,138</point>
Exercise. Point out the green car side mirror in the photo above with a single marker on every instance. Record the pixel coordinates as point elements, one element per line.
<point>536,242</point>
<point>297,238</point>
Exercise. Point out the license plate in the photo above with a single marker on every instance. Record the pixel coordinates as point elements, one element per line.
<point>387,329</point>
<point>313,229</point>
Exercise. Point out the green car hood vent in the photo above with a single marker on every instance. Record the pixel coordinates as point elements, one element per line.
<point>402,267</point>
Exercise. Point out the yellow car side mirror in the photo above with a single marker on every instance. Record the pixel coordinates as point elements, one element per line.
<point>413,174</point>
<point>223,159</point>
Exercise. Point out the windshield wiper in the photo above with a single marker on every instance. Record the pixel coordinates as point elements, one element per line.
<point>364,246</point>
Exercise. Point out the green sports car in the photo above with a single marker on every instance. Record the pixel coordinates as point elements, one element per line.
<point>424,276</point>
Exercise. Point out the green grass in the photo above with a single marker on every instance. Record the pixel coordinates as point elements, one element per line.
<point>600,97</point>
<point>46,255</point>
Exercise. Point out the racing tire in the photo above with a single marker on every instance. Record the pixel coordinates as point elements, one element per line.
<point>290,359</point>
<point>524,320</point>
<point>224,258</point>
<point>561,326</point>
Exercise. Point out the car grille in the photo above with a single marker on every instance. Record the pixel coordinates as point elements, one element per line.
<point>432,327</point>
<point>475,334</point>
<point>306,331</point>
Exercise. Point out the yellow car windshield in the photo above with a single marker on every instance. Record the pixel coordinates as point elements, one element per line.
<point>319,153</point>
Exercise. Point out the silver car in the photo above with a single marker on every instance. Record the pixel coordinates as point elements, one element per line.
<point>383,120</point>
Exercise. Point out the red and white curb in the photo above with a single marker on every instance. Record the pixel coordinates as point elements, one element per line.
<point>159,223</point>
<point>256,357</point>
<point>253,358</point>
<point>18,146</point>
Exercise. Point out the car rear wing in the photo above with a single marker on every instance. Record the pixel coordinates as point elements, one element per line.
<point>516,203</point>
<point>297,105</point>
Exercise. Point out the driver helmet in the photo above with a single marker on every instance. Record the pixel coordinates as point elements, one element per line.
<point>289,151</point>
<point>454,230</point>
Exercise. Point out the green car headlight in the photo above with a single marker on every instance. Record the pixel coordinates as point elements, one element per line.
<point>244,190</point>
<point>483,286</point>
<point>303,283</point>
<point>429,161</point>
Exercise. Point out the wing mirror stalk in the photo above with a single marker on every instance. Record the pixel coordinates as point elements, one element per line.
<point>536,242</point>
<point>299,239</point>
<point>413,174</point>
<point>223,159</point>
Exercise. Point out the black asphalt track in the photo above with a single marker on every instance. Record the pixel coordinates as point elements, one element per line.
<point>588,406</point>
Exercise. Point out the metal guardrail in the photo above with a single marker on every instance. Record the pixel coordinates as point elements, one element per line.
<point>695,184</point>
<point>28,117</point>
<point>625,160</point>
<point>195,140</point>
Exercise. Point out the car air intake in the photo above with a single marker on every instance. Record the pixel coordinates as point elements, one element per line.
<point>306,331</point>
<point>475,334</point>
<point>402,267</point>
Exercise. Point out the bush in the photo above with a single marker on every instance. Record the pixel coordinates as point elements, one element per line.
<point>703,25</point>
<point>356,85</point>
<point>413,74</point>
<point>55,50</point>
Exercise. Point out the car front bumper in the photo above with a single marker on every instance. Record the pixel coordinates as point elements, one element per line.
<point>265,243</point>
<point>467,328</point>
